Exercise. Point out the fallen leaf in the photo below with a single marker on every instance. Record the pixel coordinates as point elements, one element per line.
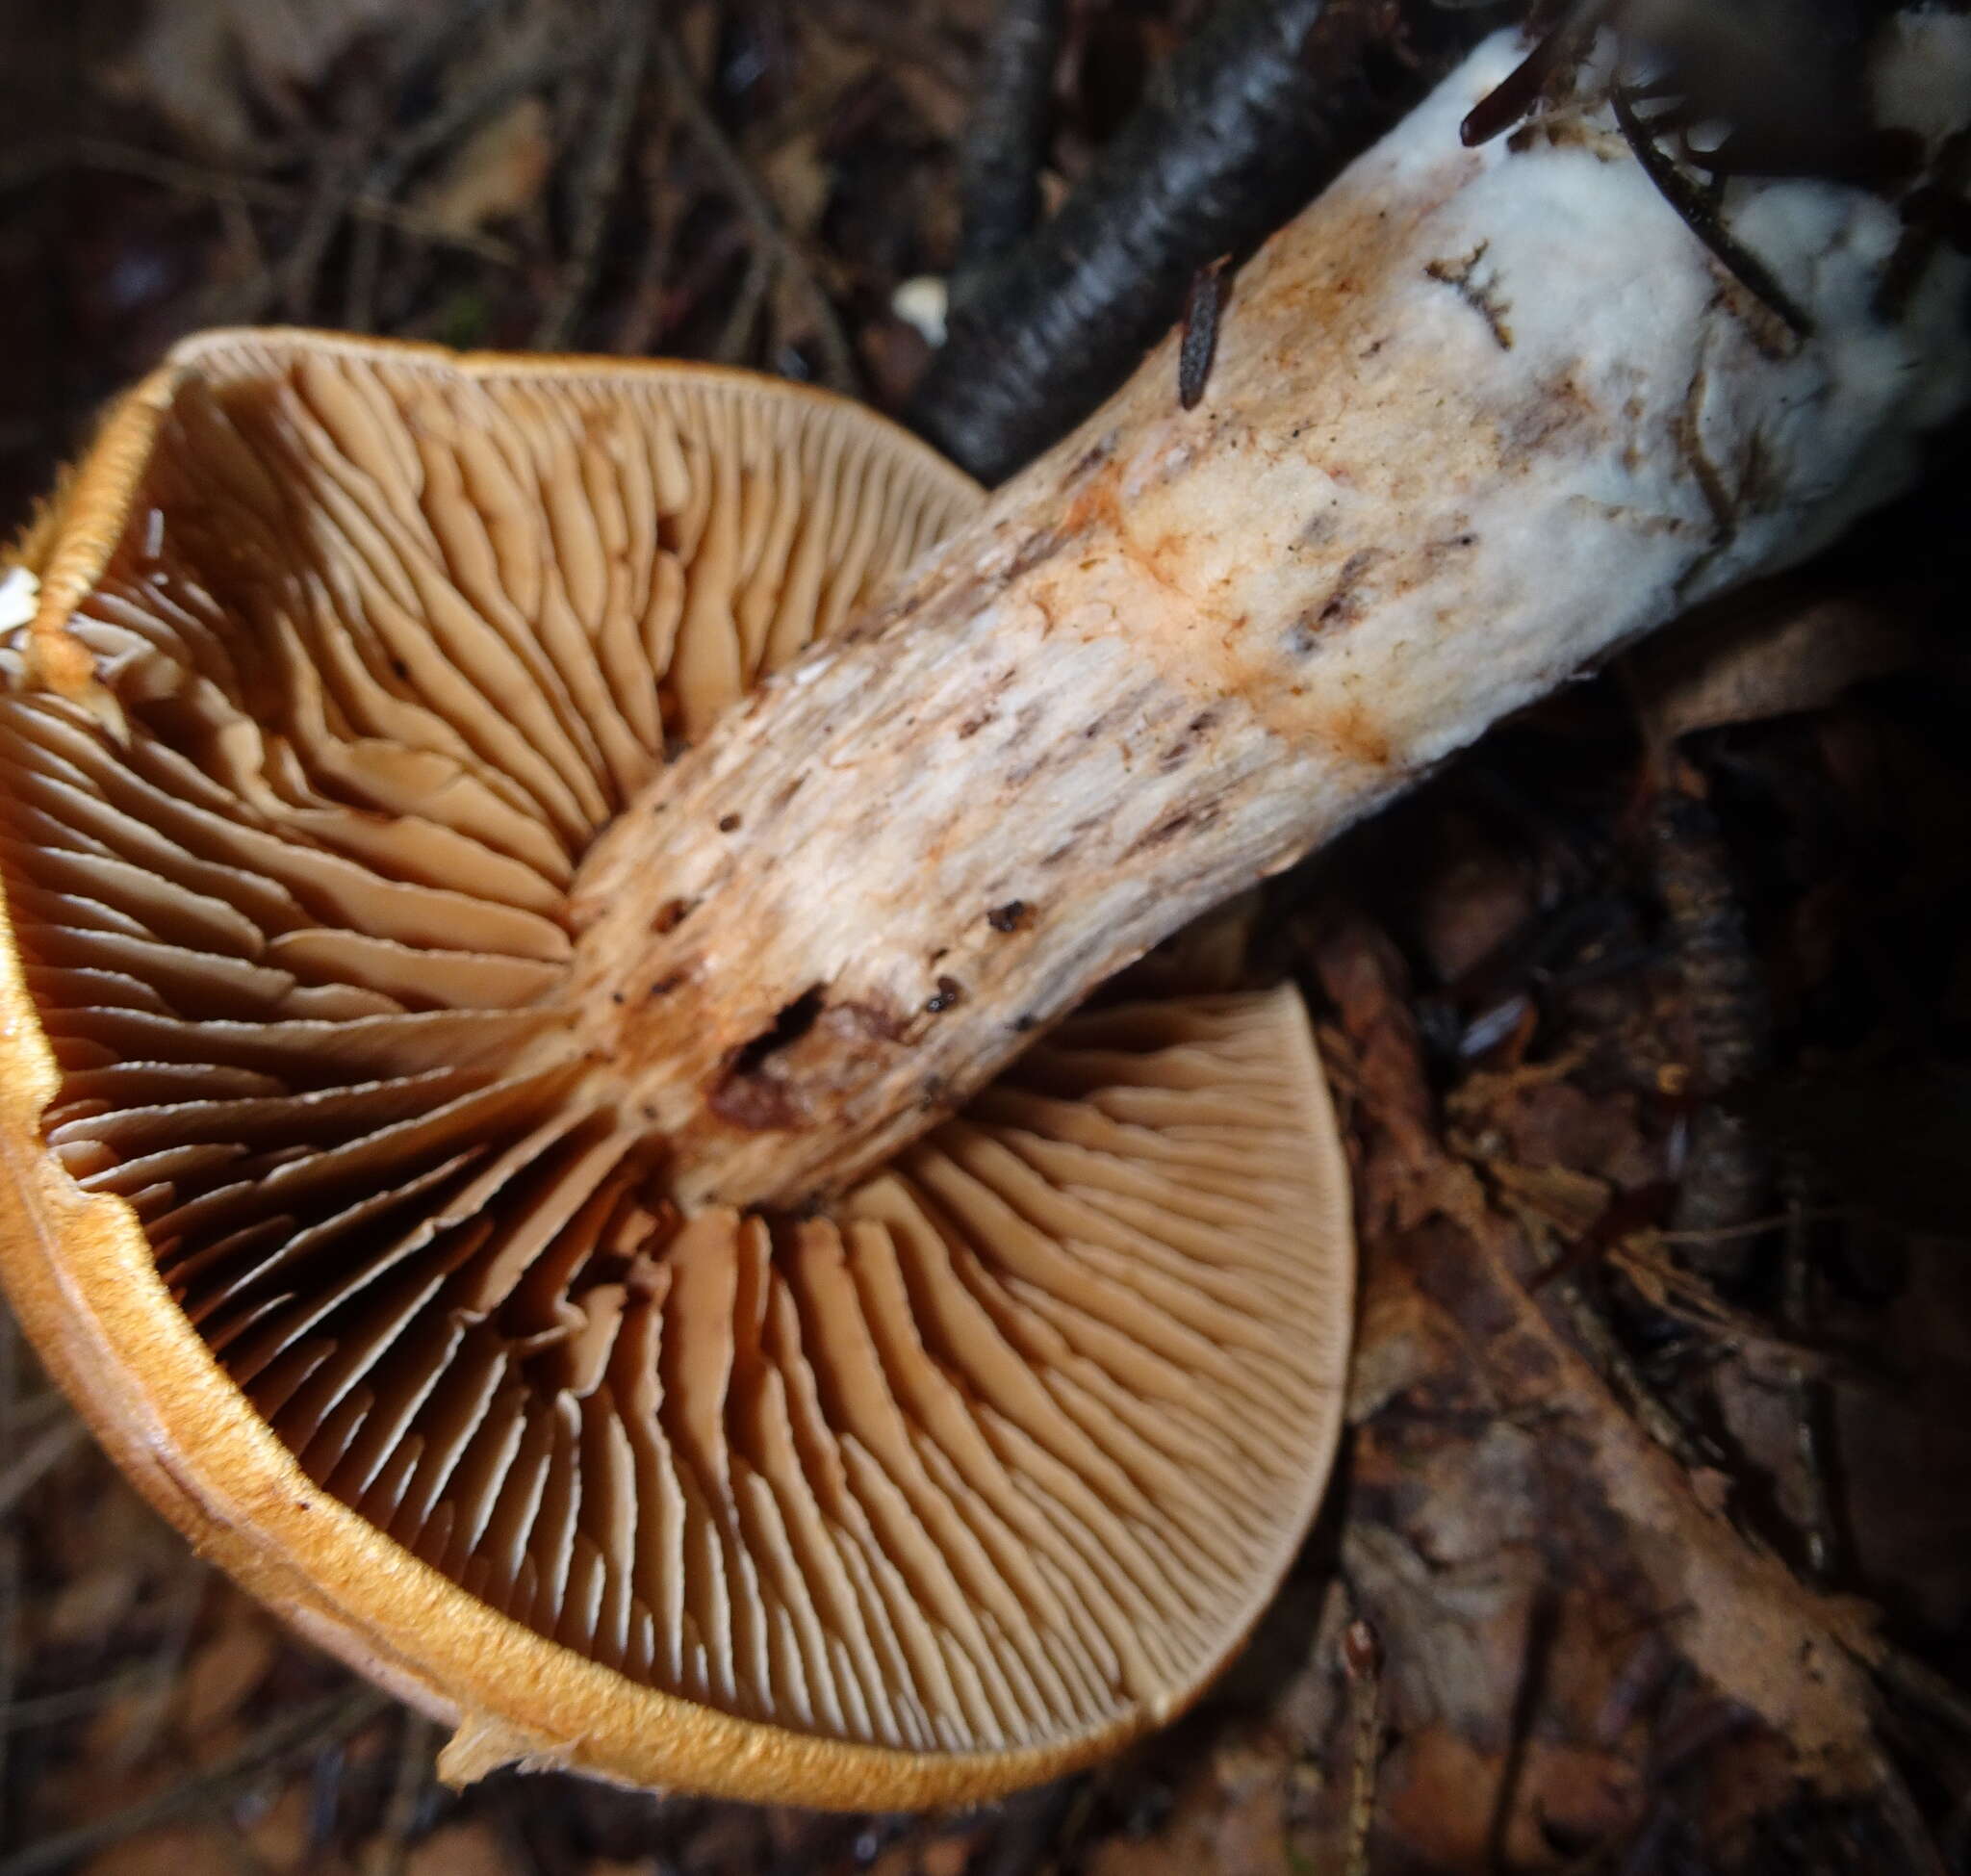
<point>496,174</point>
<point>1786,656</point>
<point>186,61</point>
<point>226,1669</point>
<point>799,183</point>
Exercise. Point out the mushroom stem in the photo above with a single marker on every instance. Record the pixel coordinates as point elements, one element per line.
<point>1477,418</point>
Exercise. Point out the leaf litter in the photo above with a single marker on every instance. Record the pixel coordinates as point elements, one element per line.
<point>1662,1562</point>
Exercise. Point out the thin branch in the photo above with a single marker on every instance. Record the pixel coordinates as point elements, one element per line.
<point>1688,1297</point>
<point>643,319</point>
<point>223,186</point>
<point>1812,1430</point>
<point>42,1454</point>
<point>1727,1173</point>
<point>598,184</point>
<point>329,203</point>
<point>416,1747</point>
<point>67,1703</point>
<point>162,1670</point>
<point>1700,215</point>
<point>1758,1227</point>
<point>738,333</point>
<point>1921,1685</point>
<point>837,361</point>
<point>1905,1818</point>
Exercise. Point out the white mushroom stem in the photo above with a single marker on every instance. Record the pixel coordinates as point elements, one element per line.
<point>1477,418</point>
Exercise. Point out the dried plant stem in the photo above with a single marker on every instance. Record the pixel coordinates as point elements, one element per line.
<point>643,320</point>
<point>1727,1176</point>
<point>417,1739</point>
<point>224,185</point>
<point>330,201</point>
<point>1905,1818</point>
<point>1362,1664</point>
<point>68,1704</point>
<point>737,335</point>
<point>180,1617</point>
<point>597,183</point>
<point>1920,1684</point>
<point>40,1455</point>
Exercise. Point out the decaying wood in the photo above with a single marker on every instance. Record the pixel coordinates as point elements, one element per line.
<point>1477,418</point>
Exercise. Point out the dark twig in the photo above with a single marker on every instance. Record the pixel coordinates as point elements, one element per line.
<point>1699,211</point>
<point>736,334</point>
<point>597,183</point>
<point>253,192</point>
<point>417,1744</point>
<point>330,201</point>
<point>1922,1685</point>
<point>1625,1380</point>
<point>161,1672</point>
<point>1005,138</point>
<point>1905,1818</point>
<point>1521,88</point>
<point>1728,1175</point>
<point>1812,1432</point>
<point>45,1451</point>
<point>1924,221</point>
<point>1264,102</point>
<point>643,317</point>
<point>67,1703</point>
<point>836,360</point>
<point>334,1717</point>
<point>1536,1661</point>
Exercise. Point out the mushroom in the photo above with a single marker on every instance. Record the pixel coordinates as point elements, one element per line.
<point>332,1204</point>
<point>433,1306</point>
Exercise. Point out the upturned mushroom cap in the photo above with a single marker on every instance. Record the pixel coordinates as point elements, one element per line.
<point>363,1266</point>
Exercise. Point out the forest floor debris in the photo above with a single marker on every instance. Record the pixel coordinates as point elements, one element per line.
<point>1586,1598</point>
